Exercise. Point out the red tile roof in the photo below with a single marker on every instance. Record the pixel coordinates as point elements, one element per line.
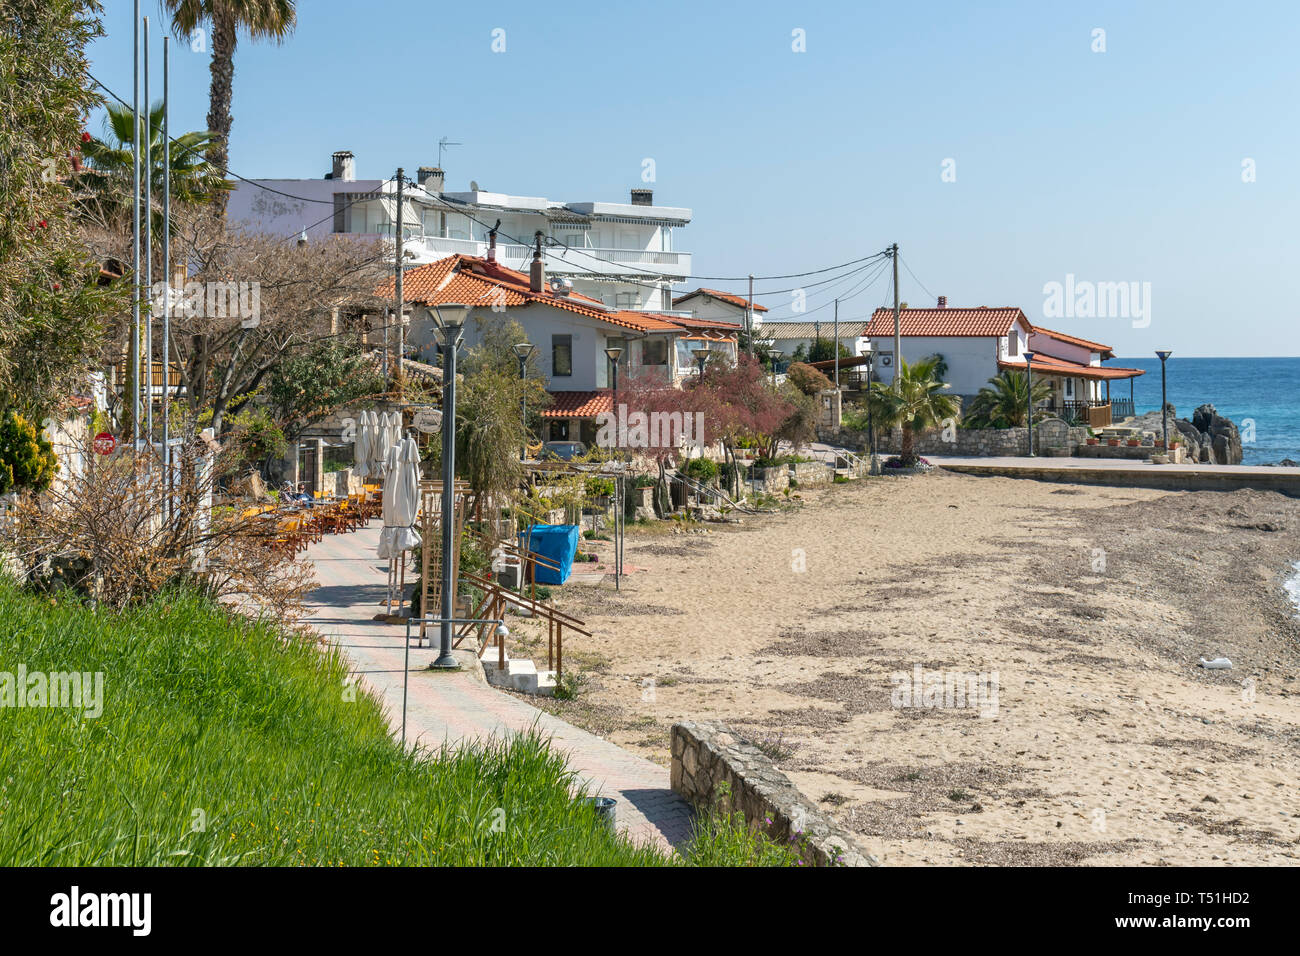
<point>983,322</point>
<point>1105,350</point>
<point>1051,365</point>
<point>477,282</point>
<point>729,297</point>
<point>579,404</point>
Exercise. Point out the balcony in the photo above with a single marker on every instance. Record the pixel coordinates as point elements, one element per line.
<point>573,261</point>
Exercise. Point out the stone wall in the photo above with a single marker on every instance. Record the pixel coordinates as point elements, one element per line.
<point>707,755</point>
<point>810,473</point>
<point>972,442</point>
<point>771,480</point>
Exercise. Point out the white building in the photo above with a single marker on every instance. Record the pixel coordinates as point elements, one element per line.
<point>976,344</point>
<point>622,253</point>
<point>570,331</point>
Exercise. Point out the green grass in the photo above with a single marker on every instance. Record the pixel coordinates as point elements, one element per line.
<point>222,743</point>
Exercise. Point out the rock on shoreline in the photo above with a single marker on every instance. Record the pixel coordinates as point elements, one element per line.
<point>1209,437</point>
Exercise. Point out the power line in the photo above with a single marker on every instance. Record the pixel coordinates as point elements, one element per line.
<point>913,275</point>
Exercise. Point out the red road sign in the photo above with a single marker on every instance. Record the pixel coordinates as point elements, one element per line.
<point>104,443</point>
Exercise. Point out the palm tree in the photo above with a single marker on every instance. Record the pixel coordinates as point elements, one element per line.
<point>109,165</point>
<point>1002,403</point>
<point>262,20</point>
<point>914,401</point>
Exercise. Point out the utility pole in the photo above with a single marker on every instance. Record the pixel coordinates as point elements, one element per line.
<point>166,268</point>
<point>836,346</point>
<point>898,329</point>
<point>401,329</point>
<point>133,350</point>
<point>749,315</point>
<point>148,254</point>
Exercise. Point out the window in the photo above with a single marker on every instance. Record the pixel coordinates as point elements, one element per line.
<point>1013,343</point>
<point>561,355</point>
<point>1069,388</point>
<point>629,300</point>
<point>654,351</point>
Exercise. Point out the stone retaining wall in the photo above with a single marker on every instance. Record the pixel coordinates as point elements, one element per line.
<point>983,442</point>
<point>705,756</point>
<point>810,473</point>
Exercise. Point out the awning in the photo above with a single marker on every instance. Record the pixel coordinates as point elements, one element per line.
<point>1050,365</point>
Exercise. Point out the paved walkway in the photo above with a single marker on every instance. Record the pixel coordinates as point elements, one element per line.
<point>1117,471</point>
<point>461,706</point>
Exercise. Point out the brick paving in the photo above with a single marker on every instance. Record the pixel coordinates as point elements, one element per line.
<point>454,707</point>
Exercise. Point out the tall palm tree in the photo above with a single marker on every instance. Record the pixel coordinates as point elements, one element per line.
<point>262,20</point>
<point>914,401</point>
<point>1002,402</point>
<point>109,165</point>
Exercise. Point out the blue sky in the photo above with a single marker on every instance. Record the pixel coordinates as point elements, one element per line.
<point>1122,166</point>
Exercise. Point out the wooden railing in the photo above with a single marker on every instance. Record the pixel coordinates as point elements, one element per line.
<point>493,604</point>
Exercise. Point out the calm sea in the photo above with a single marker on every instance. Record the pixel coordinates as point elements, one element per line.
<point>1262,391</point>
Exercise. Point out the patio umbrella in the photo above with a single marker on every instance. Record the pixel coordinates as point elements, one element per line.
<point>394,428</point>
<point>361,445</point>
<point>379,443</point>
<point>401,504</point>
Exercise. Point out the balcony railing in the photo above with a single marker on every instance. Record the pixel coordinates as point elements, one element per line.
<point>573,261</point>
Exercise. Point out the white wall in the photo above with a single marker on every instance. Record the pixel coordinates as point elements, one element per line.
<point>971,361</point>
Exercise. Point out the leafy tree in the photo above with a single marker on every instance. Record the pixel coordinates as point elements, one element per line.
<point>823,350</point>
<point>261,20</point>
<point>308,387</point>
<point>1002,402</point>
<point>807,379</point>
<point>52,307</point>
<point>110,167</point>
<point>27,459</point>
<point>914,402</point>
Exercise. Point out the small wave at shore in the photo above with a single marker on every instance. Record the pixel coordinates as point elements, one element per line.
<point>1292,586</point>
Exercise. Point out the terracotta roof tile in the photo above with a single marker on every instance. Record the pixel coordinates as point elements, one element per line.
<point>1105,350</point>
<point>729,297</point>
<point>983,322</point>
<point>579,404</point>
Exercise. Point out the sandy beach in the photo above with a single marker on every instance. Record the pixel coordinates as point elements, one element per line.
<point>1108,743</point>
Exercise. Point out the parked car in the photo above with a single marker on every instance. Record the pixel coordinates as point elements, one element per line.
<point>562,450</point>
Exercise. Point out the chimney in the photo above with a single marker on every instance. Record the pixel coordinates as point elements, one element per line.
<point>643,197</point>
<point>345,167</point>
<point>431,178</point>
<point>943,302</point>
<point>492,242</point>
<point>537,271</point>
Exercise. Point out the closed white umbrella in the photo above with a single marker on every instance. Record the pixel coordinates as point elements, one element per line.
<point>394,428</point>
<point>380,443</point>
<point>401,506</point>
<point>361,445</point>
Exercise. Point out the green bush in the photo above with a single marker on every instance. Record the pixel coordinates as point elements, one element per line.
<point>700,469</point>
<point>27,459</point>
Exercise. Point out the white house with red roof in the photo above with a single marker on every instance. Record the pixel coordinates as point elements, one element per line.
<point>570,330</point>
<point>978,343</point>
<point>720,307</point>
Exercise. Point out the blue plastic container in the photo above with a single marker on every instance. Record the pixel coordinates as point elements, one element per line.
<point>557,544</point>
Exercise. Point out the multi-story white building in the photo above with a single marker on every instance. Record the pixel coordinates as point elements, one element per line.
<point>623,254</point>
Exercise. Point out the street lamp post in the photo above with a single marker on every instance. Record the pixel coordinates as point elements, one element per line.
<point>773,354</point>
<point>1029,399</point>
<point>614,353</point>
<point>871,419</point>
<point>701,355</point>
<point>450,319</point>
<point>524,351</point>
<point>1163,355</point>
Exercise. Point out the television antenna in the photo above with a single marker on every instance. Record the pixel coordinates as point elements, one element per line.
<point>442,145</point>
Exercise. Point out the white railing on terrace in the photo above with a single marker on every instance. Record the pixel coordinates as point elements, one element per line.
<point>561,260</point>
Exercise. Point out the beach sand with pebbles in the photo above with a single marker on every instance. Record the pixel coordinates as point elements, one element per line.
<point>1093,605</point>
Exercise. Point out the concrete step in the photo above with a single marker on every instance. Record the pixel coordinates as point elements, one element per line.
<point>519,674</point>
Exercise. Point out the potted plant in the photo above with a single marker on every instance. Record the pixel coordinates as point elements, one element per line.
<point>1113,442</point>
<point>1160,443</point>
<point>1093,440</point>
<point>1134,442</point>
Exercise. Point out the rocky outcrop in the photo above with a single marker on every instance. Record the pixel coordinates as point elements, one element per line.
<point>1209,437</point>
